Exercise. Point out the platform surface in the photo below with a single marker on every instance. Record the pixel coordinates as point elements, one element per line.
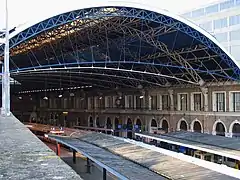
<point>24,157</point>
<point>110,161</point>
<point>163,164</point>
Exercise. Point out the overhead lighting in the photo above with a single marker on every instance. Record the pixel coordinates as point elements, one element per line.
<point>100,97</point>
<point>20,97</point>
<point>71,94</point>
<point>60,95</point>
<point>45,98</point>
<point>141,97</point>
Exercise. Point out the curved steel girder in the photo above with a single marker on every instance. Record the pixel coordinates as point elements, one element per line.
<point>123,12</point>
<point>100,74</point>
<point>150,33</point>
<point>95,79</point>
<point>56,84</point>
<point>114,69</point>
<point>149,37</point>
<point>51,66</point>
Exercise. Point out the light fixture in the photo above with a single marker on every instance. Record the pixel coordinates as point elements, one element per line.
<point>20,97</point>
<point>60,95</point>
<point>71,94</point>
<point>45,98</point>
<point>100,97</point>
<point>141,97</point>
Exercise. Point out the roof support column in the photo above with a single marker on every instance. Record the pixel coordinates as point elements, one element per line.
<point>170,91</point>
<point>104,174</point>
<point>96,102</point>
<point>134,102</point>
<point>205,97</point>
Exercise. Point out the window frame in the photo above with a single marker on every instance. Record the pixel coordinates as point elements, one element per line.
<point>179,102</point>
<point>231,101</point>
<point>214,98</point>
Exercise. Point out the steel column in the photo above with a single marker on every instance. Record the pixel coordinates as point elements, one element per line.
<point>58,149</point>
<point>74,157</point>
<point>104,174</point>
<point>88,166</point>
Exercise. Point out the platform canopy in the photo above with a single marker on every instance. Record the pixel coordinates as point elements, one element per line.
<point>117,44</point>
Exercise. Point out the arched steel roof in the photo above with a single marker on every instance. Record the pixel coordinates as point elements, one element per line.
<point>118,44</point>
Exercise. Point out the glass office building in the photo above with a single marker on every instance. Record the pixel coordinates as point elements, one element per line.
<point>222,20</point>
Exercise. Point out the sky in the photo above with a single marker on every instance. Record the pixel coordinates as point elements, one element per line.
<point>25,11</point>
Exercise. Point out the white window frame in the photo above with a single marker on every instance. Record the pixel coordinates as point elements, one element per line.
<point>192,100</point>
<point>178,100</point>
<point>230,100</point>
<point>214,99</point>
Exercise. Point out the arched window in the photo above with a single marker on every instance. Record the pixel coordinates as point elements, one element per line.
<point>197,127</point>
<point>165,125</point>
<point>236,130</point>
<point>116,132</point>
<point>90,121</point>
<point>183,126</point>
<point>129,128</point>
<point>220,129</point>
<point>139,123</point>
<point>109,123</point>
<point>154,123</point>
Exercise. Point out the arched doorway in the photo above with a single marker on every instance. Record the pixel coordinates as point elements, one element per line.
<point>90,121</point>
<point>138,126</point>
<point>97,122</point>
<point>117,128</point>
<point>165,125</point>
<point>183,126</point>
<point>197,127</point>
<point>109,125</point>
<point>220,129</point>
<point>153,128</point>
<point>129,128</point>
<point>236,130</point>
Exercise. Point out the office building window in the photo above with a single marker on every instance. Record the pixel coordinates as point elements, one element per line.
<point>187,15</point>
<point>207,26</point>
<point>165,102</point>
<point>220,101</point>
<point>198,12</point>
<point>183,102</point>
<point>234,35</point>
<point>233,20</point>
<point>197,99</point>
<point>235,52</point>
<point>220,23</point>
<point>222,37</point>
<point>236,101</point>
<point>227,4</point>
<point>211,9</point>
